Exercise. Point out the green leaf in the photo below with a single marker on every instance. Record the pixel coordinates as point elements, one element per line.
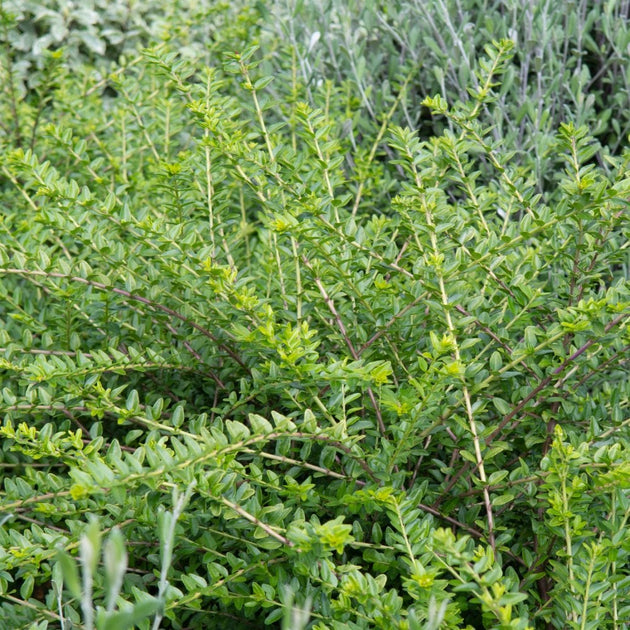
<point>502,499</point>
<point>503,407</point>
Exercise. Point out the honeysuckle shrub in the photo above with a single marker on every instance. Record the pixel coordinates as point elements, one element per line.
<point>257,373</point>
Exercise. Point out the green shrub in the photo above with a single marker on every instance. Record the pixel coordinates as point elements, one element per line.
<point>41,42</point>
<point>256,371</point>
<point>98,31</point>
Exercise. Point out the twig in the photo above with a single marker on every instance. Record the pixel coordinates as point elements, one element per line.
<point>252,519</point>
<point>344,334</point>
<point>131,296</point>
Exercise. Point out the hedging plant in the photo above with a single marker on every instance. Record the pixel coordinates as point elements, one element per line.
<point>256,371</point>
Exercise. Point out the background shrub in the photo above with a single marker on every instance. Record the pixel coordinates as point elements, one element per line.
<point>569,64</point>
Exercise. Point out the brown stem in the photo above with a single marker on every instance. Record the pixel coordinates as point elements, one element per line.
<point>131,296</point>
<point>547,380</point>
<point>346,338</point>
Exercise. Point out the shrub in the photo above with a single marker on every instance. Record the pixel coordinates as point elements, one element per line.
<point>570,63</point>
<point>255,371</point>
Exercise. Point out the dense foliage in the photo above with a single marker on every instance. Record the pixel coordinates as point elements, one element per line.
<point>320,321</point>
